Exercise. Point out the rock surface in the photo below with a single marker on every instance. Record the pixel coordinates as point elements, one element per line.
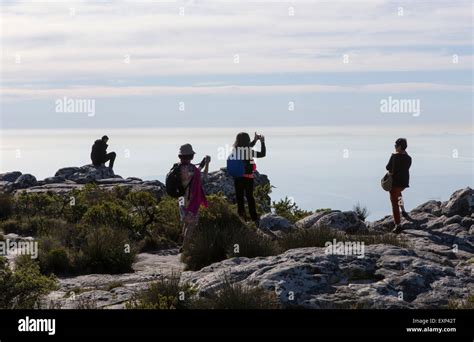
<point>112,291</point>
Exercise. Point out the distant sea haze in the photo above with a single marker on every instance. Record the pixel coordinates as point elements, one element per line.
<point>317,167</point>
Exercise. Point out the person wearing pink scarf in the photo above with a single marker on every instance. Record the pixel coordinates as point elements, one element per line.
<point>194,196</point>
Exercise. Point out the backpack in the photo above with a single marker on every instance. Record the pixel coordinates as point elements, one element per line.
<point>174,186</point>
<point>235,167</point>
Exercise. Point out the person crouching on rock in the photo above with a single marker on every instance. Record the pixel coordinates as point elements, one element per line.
<point>194,195</point>
<point>398,166</point>
<point>99,153</point>
<point>244,185</point>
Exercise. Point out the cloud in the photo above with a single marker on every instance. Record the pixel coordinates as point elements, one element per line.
<point>12,94</point>
<point>95,40</point>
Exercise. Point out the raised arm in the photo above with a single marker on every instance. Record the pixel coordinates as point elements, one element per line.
<point>263,149</point>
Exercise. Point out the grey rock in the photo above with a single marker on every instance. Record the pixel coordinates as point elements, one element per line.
<point>311,220</point>
<point>459,203</point>
<point>25,181</point>
<point>274,223</point>
<point>10,176</point>
<point>347,221</point>
<point>318,280</point>
<point>432,207</point>
<point>66,172</point>
<point>53,180</point>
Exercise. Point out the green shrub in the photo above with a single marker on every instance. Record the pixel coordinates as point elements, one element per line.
<point>143,207</point>
<point>242,297</point>
<point>106,250</point>
<point>165,293</point>
<point>35,225</point>
<point>216,236</point>
<point>29,205</point>
<point>23,288</point>
<point>168,220</point>
<point>361,211</point>
<point>108,214</point>
<point>459,304</point>
<point>6,206</point>
<point>55,260</point>
<point>262,198</point>
<point>289,210</point>
<point>317,237</point>
<point>314,237</point>
<point>83,249</point>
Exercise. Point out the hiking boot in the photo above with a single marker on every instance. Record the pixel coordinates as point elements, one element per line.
<point>398,229</point>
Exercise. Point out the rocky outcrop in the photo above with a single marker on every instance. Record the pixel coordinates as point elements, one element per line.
<point>460,203</point>
<point>433,268</point>
<point>346,221</point>
<point>386,277</point>
<point>72,178</point>
<point>86,173</point>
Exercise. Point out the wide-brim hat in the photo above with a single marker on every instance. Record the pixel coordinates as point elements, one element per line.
<point>186,150</point>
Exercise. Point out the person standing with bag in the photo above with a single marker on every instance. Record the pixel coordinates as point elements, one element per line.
<point>244,184</point>
<point>398,167</point>
<point>184,182</point>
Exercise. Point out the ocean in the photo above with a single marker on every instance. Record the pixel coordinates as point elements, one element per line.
<point>317,167</point>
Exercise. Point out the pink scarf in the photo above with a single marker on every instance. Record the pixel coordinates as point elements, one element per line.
<point>198,196</point>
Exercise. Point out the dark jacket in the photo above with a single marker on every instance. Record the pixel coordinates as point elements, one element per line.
<point>254,154</point>
<point>398,165</point>
<point>99,151</point>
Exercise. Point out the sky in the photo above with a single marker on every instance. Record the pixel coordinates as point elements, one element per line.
<point>235,63</point>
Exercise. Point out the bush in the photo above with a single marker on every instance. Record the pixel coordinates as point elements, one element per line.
<point>170,293</point>
<point>458,304</point>
<point>314,237</point>
<point>55,260</point>
<point>361,212</point>
<point>106,250</point>
<point>23,288</point>
<point>262,198</point>
<point>242,297</point>
<point>107,214</point>
<point>219,233</point>
<point>34,226</point>
<point>29,205</point>
<point>165,293</point>
<point>6,206</point>
<point>289,210</point>
<point>82,249</point>
<point>317,237</point>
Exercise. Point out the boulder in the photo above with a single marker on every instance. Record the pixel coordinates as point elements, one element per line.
<point>311,220</point>
<point>25,181</point>
<point>66,172</point>
<point>55,179</point>
<point>347,221</point>
<point>91,173</point>
<point>10,176</point>
<point>274,223</point>
<point>460,203</point>
<point>432,207</point>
